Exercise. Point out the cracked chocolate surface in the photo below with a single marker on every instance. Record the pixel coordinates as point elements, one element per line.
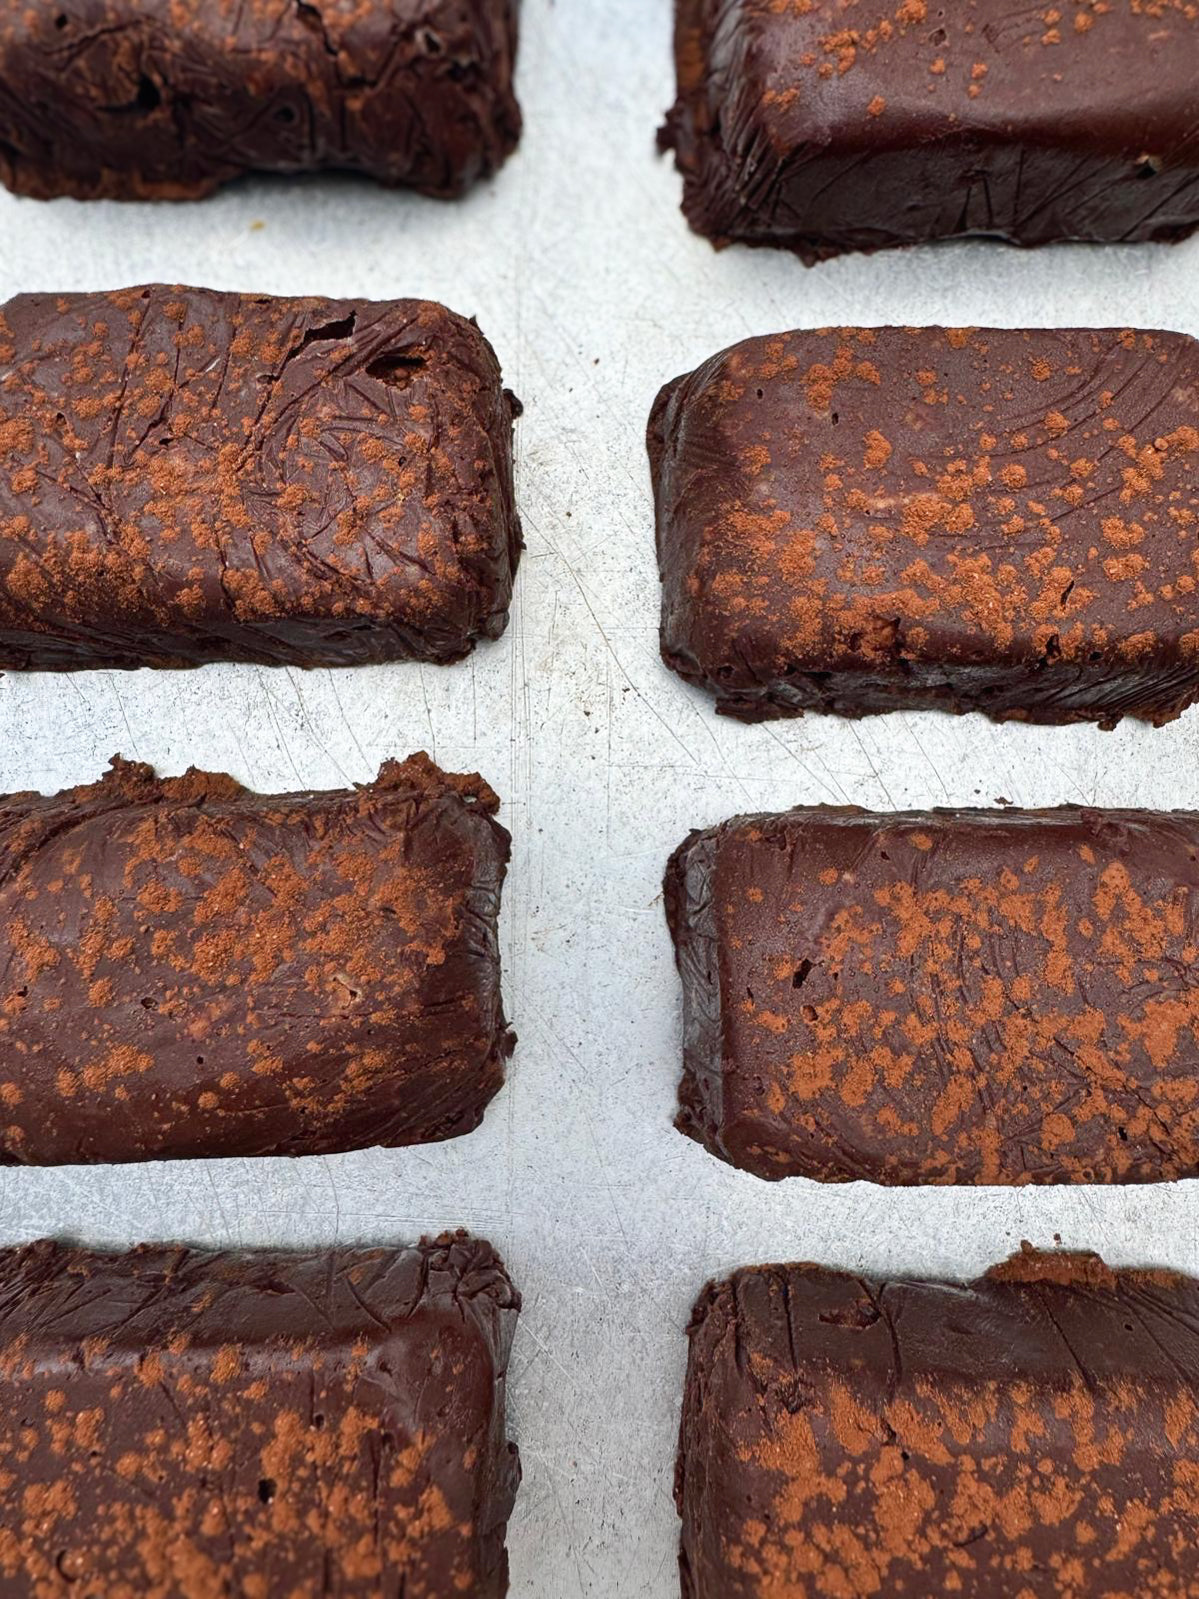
<point>187,476</point>
<point>1030,1435</point>
<point>835,125</point>
<point>994,997</point>
<point>858,520</point>
<point>168,99</point>
<point>189,969</point>
<point>259,1424</point>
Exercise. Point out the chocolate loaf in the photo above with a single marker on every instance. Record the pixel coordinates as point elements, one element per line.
<point>167,99</point>
<point>991,997</point>
<point>1031,1435</point>
<point>190,969</point>
<point>872,519</point>
<point>255,1424</point>
<point>833,125</point>
<point>188,476</point>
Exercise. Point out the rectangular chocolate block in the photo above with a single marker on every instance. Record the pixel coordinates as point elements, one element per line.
<point>832,125</point>
<point>190,969</point>
<point>994,997</point>
<point>162,100</point>
<point>1031,1435</point>
<point>188,476</point>
<point>870,519</point>
<point>256,1424</point>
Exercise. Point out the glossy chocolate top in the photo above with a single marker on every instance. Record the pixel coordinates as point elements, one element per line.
<point>1031,1435</point>
<point>182,1425</point>
<point>167,99</point>
<point>188,476</point>
<point>191,969</point>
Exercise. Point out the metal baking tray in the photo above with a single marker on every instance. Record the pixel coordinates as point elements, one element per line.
<point>581,271</point>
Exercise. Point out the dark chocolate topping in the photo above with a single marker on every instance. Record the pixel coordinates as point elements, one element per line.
<point>167,99</point>
<point>188,476</point>
<point>190,969</point>
<point>831,125</point>
<point>1031,1435</point>
<point>866,519</point>
<point>255,1425</point>
<point>942,997</point>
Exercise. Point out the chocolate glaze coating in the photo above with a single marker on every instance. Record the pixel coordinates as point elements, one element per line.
<point>188,476</point>
<point>942,996</point>
<point>189,969</point>
<point>870,519</point>
<point>1031,1435</point>
<point>168,99</point>
<point>837,125</point>
<point>329,1425</point>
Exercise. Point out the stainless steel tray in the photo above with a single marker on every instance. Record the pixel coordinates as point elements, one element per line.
<point>582,272</point>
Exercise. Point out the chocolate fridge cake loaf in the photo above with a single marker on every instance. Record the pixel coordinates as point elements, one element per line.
<point>943,996</point>
<point>871,519</point>
<point>188,476</point>
<point>257,1424</point>
<point>1031,1435</point>
<point>167,99</point>
<point>830,125</point>
<point>190,969</point>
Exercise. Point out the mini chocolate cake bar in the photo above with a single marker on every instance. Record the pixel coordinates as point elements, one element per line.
<point>188,476</point>
<point>832,125</point>
<point>190,969</point>
<point>871,519</point>
<point>167,99</point>
<point>942,996</point>
<point>255,1424</point>
<point>1031,1435</point>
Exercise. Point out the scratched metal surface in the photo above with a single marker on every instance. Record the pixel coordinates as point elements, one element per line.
<point>581,271</point>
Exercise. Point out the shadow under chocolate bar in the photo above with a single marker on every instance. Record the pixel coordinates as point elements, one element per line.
<point>823,127</point>
<point>168,99</point>
<point>188,476</point>
<point>190,969</point>
<point>256,1423</point>
<point>983,997</point>
<point>1032,1433</point>
<point>859,520</point>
